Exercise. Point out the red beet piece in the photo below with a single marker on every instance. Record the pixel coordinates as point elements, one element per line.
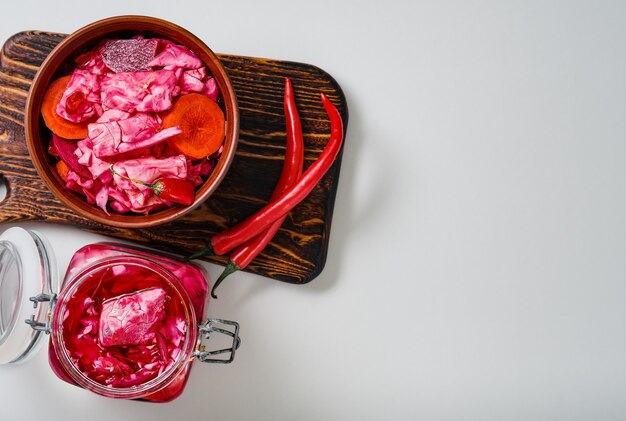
<point>65,150</point>
<point>126,320</point>
<point>128,55</point>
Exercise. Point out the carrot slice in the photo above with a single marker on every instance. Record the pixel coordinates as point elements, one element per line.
<point>62,169</point>
<point>202,123</point>
<point>57,124</point>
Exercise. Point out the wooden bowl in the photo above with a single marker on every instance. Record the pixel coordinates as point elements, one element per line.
<point>60,62</point>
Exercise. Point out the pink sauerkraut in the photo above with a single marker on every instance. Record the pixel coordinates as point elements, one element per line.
<point>131,319</point>
<point>124,326</point>
<point>191,277</point>
<point>123,87</point>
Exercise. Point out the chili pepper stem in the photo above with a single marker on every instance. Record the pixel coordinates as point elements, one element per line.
<point>206,251</point>
<point>134,180</point>
<point>231,267</point>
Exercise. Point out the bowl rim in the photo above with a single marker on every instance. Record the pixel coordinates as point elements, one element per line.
<point>76,43</point>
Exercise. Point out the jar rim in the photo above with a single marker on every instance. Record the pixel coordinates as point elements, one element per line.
<point>136,391</point>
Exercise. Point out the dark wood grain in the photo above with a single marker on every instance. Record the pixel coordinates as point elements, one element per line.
<point>298,252</point>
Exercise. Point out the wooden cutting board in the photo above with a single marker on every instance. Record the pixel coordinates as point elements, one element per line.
<point>298,252</point>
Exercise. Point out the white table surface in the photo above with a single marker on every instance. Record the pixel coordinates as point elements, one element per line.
<point>476,268</point>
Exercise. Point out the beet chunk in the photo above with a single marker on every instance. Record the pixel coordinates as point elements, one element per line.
<point>129,55</point>
<point>65,149</point>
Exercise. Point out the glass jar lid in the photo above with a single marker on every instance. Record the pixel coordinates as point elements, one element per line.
<point>28,286</point>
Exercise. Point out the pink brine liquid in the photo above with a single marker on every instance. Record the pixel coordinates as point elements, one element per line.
<point>126,322</point>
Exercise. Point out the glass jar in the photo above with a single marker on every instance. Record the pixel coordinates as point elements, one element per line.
<point>125,323</point>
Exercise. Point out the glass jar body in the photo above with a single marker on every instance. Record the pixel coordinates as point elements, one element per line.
<point>185,282</point>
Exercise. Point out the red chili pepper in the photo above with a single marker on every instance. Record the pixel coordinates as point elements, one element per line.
<point>175,190</point>
<point>232,237</point>
<point>291,172</point>
<point>74,101</point>
<point>172,189</point>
